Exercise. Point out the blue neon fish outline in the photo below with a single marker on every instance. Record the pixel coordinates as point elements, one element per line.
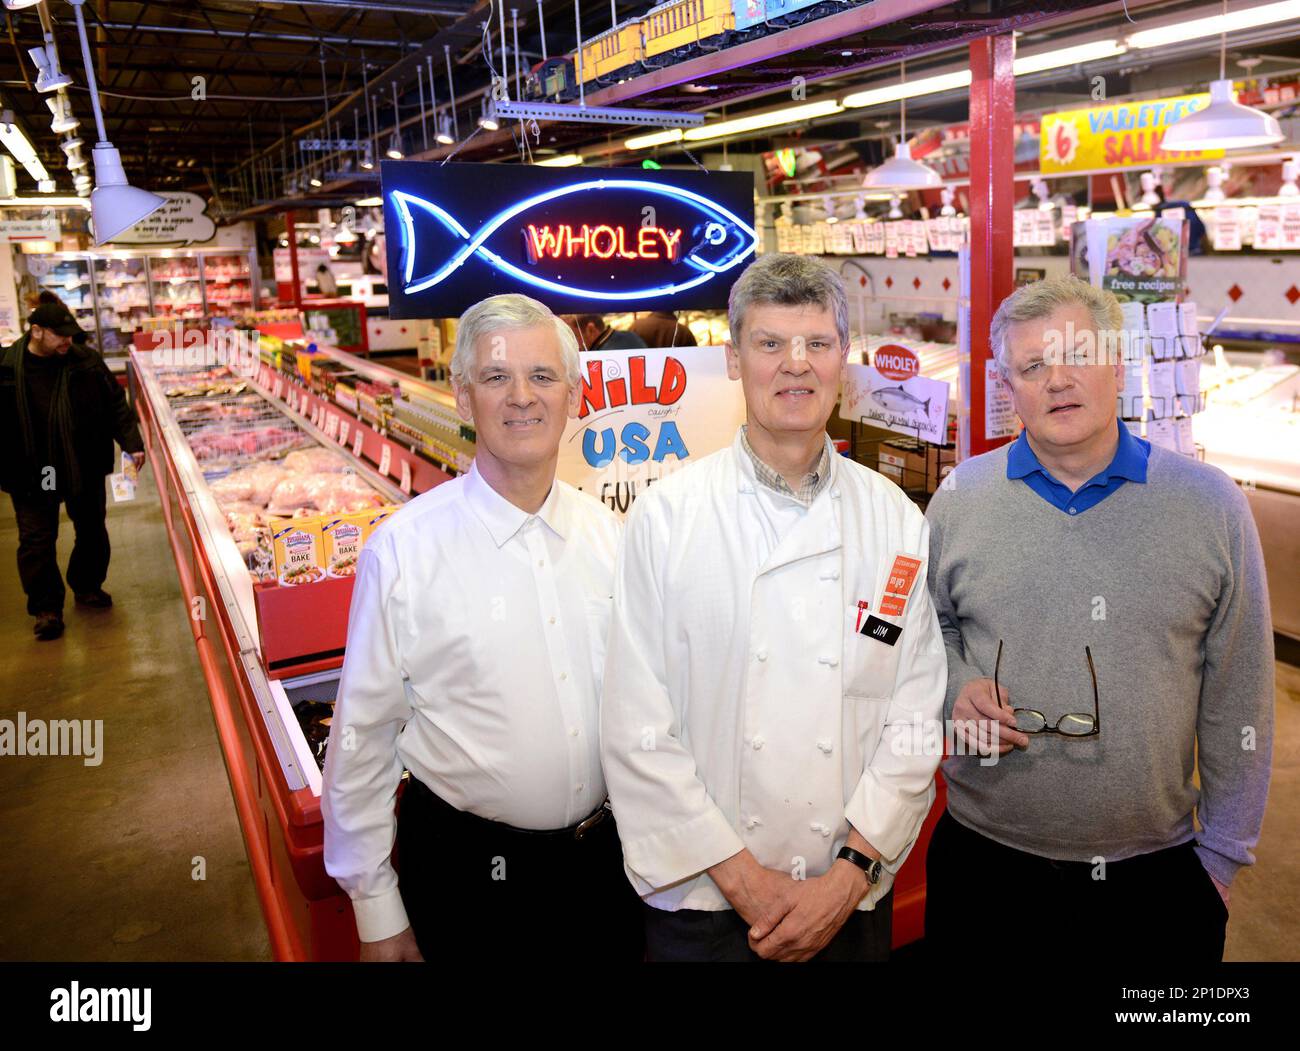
<point>404,201</point>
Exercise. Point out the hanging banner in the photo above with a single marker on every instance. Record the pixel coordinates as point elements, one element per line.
<point>645,414</point>
<point>1116,135</point>
<point>578,240</point>
<point>183,220</point>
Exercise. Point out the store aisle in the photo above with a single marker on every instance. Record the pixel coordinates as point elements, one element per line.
<point>98,860</point>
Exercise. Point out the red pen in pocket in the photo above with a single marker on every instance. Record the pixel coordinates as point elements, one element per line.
<point>862,608</point>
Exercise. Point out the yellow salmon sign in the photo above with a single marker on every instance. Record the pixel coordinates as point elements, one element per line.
<point>1116,135</point>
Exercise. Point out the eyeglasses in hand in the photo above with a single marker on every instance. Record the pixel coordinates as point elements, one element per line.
<point>1076,724</point>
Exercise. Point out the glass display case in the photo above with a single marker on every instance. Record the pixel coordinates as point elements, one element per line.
<point>227,282</point>
<point>122,299</point>
<point>111,292</point>
<point>68,277</point>
<point>176,284</point>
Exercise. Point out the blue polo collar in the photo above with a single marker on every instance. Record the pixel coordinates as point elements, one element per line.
<point>1129,462</point>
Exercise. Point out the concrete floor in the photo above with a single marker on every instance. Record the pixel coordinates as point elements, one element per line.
<point>97,861</point>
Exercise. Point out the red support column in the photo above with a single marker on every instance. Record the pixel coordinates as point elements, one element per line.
<point>293,259</point>
<point>992,198</point>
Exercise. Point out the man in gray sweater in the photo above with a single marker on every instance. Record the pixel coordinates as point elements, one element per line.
<point>1080,548</point>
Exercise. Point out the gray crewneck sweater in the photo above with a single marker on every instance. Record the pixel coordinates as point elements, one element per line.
<point>1165,582</point>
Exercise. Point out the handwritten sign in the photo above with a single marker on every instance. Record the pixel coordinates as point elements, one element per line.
<point>183,220</point>
<point>916,406</point>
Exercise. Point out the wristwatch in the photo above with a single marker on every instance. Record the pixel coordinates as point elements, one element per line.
<point>871,866</point>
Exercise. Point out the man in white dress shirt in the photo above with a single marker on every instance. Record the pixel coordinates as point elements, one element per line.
<point>772,644</point>
<point>474,657</point>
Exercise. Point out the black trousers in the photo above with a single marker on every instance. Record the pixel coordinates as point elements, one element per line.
<point>695,936</point>
<point>38,534</point>
<point>987,899</point>
<point>479,890</point>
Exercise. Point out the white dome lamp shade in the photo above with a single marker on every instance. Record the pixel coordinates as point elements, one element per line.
<point>1225,124</point>
<point>901,172</point>
<point>115,205</point>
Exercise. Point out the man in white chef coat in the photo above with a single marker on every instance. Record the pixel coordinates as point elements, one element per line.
<point>772,647</point>
<point>475,649</point>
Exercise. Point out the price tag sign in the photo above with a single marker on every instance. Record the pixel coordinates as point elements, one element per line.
<point>315,416</point>
<point>331,425</point>
<point>343,429</point>
<point>356,444</point>
<point>385,459</point>
<point>279,387</point>
<point>405,483</point>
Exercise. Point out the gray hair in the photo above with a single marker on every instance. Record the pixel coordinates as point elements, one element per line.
<point>788,280</point>
<point>1041,299</point>
<point>512,311</point>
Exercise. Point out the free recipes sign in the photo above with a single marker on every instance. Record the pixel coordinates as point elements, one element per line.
<point>183,220</point>
<point>644,414</point>
<point>892,395</point>
<point>578,240</point>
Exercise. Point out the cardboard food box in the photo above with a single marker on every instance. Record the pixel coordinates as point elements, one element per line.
<point>343,536</point>
<point>299,550</point>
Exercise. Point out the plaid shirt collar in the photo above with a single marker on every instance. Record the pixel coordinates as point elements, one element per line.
<point>813,482</point>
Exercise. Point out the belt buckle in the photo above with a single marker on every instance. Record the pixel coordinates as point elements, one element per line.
<point>595,819</point>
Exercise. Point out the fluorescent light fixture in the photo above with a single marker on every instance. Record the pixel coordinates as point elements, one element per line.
<point>888,93</point>
<point>1214,25</point>
<point>961,78</point>
<point>45,202</point>
<point>1225,124</point>
<point>16,142</point>
<point>1067,56</point>
<point>370,202</point>
<point>900,172</point>
<point>758,121</point>
<point>564,160</point>
<point>656,138</point>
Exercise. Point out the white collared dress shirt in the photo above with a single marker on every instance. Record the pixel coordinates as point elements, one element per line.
<point>475,649</point>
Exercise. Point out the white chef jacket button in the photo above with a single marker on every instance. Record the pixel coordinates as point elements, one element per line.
<point>573,732</point>
<point>580,788</point>
<point>835,494</point>
<point>563,675</point>
<point>541,562</point>
<point>757,742</point>
<point>831,661</point>
<point>825,746</point>
<point>552,620</point>
<point>761,654</point>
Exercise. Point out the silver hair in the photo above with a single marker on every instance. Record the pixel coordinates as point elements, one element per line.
<point>1041,299</point>
<point>512,311</point>
<point>788,280</point>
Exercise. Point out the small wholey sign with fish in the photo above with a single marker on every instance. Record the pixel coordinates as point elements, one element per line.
<point>892,395</point>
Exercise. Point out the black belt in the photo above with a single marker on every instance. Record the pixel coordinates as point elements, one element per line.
<point>578,831</point>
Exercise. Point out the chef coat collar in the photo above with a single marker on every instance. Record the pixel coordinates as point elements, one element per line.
<point>502,518</point>
<point>747,479</point>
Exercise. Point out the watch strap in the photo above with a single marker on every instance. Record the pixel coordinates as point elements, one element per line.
<point>870,866</point>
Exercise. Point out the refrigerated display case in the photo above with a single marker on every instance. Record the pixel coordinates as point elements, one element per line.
<point>112,292</point>
<point>122,300</point>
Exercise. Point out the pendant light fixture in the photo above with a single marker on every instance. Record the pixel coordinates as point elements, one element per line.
<point>115,204</point>
<point>395,142</point>
<point>1225,124</point>
<point>63,121</point>
<point>900,172</point>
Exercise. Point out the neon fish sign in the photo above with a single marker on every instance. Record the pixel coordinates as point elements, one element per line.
<point>716,242</point>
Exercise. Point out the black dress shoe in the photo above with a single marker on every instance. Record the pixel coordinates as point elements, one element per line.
<point>99,599</point>
<point>49,626</point>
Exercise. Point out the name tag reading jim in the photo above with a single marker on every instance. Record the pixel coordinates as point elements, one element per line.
<point>881,630</point>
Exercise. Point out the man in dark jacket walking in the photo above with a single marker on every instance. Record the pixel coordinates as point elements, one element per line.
<point>60,411</point>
